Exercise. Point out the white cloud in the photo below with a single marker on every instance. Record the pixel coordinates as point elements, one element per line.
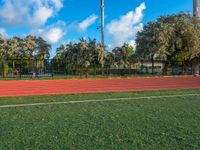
<point>125,28</point>
<point>58,4</point>
<point>139,13</point>
<point>32,13</point>
<point>41,16</point>
<point>87,22</point>
<point>3,32</point>
<point>53,35</point>
<point>13,13</point>
<point>132,43</point>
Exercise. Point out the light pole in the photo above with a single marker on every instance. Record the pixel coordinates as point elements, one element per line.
<point>195,67</point>
<point>102,23</point>
<point>195,8</point>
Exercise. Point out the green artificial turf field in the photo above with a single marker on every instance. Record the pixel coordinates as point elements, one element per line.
<point>146,123</point>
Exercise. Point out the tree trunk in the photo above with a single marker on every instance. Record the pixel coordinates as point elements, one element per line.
<point>165,68</point>
<point>43,62</point>
<point>58,67</point>
<point>142,66</point>
<point>107,71</point>
<point>20,74</point>
<point>95,72</point>
<point>183,70</point>
<point>129,68</point>
<point>102,70</point>
<point>86,73</point>
<point>152,60</point>
<point>33,67</point>
<point>3,69</point>
<point>13,70</point>
<point>13,64</point>
<point>81,72</point>
<point>195,67</point>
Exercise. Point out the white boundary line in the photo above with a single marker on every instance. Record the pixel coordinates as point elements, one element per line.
<point>97,100</point>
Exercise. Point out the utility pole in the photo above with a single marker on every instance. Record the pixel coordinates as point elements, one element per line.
<point>195,67</point>
<point>102,23</point>
<point>102,31</point>
<point>196,8</point>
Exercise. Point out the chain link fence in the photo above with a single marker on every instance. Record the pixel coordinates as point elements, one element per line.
<point>40,68</point>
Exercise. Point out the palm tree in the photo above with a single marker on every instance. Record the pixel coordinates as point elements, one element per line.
<point>43,48</point>
<point>92,49</point>
<point>83,55</point>
<point>70,54</point>
<point>101,56</point>
<point>96,54</point>
<point>60,51</point>
<point>30,46</point>
<point>43,51</point>
<point>59,54</point>
<point>13,50</point>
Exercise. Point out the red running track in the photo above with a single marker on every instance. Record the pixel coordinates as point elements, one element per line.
<point>50,87</point>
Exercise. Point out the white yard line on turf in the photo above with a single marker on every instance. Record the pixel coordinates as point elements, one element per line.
<point>97,100</point>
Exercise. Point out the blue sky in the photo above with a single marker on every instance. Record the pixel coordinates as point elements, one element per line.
<point>60,21</point>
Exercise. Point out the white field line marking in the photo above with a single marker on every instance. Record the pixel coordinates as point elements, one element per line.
<point>97,100</point>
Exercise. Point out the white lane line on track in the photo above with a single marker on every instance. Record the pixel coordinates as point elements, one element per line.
<point>97,100</point>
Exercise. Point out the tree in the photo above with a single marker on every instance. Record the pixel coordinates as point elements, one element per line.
<point>42,52</point>
<point>2,55</point>
<point>30,46</point>
<point>153,41</point>
<point>127,54</point>
<point>101,56</point>
<point>59,54</point>
<point>12,50</point>
<point>121,56</point>
<point>168,38</point>
<point>2,47</point>
<point>17,51</point>
<point>60,51</point>
<point>43,48</point>
<point>84,55</point>
<point>92,48</point>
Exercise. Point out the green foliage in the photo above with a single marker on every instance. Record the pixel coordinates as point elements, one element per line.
<point>43,48</point>
<point>170,37</point>
<point>82,54</point>
<point>121,56</point>
<point>2,46</point>
<point>30,47</point>
<point>20,51</point>
<point>87,53</point>
<point>1,69</point>
<point>4,69</point>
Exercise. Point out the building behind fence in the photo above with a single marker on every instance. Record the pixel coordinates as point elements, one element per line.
<point>28,68</point>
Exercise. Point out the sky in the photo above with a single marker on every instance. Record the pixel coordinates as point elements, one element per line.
<point>61,21</point>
